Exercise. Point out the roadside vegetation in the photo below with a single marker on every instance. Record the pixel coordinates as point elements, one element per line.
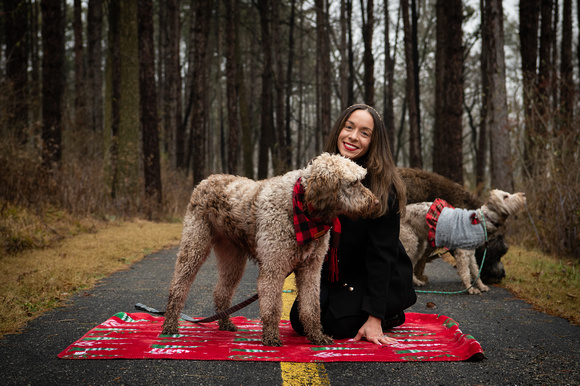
<point>551,284</point>
<point>36,280</point>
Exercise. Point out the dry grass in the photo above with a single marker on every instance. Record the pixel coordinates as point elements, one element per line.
<point>36,280</point>
<point>23,228</point>
<point>550,284</point>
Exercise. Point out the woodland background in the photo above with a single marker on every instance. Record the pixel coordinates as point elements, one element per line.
<point>116,108</point>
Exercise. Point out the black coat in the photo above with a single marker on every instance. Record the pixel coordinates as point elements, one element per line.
<point>375,272</point>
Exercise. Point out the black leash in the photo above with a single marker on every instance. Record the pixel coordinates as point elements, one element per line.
<point>219,315</point>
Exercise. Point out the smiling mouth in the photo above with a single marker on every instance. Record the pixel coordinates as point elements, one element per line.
<point>349,147</point>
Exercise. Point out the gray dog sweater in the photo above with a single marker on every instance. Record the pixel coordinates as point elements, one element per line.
<point>454,228</point>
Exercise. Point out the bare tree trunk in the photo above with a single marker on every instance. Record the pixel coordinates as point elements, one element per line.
<point>148,112</point>
<point>218,146</point>
<point>368,60</point>
<point>555,84</point>
<point>161,49</point>
<point>441,64</point>
<point>52,82</point>
<point>566,69</point>
<point>245,119</point>
<point>288,114</point>
<point>198,136</point>
<point>497,119</point>
<point>128,137</point>
<point>415,40</point>
<point>529,21</point>
<point>113,95</point>
<point>389,110</point>
<point>15,25</point>
<point>232,92</point>
<point>267,119</point>
<point>545,70</point>
<point>351,69</point>
<point>189,89</point>
<point>323,48</point>
<point>415,158</point>
<point>80,111</point>
<point>35,65</point>
<point>481,154</point>
<point>173,125</point>
<point>94,70</point>
<point>448,132</point>
<point>300,124</point>
<point>281,147</point>
<point>343,69</point>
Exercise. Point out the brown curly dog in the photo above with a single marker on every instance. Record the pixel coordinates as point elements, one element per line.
<point>244,219</point>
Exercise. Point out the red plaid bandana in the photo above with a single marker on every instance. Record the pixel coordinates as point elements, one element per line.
<point>308,228</point>
<point>433,216</point>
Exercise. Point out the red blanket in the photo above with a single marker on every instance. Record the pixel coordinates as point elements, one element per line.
<point>423,337</point>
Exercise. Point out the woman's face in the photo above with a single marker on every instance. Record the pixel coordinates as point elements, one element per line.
<point>354,139</point>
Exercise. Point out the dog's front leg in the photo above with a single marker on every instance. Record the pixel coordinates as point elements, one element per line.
<point>463,270</point>
<point>308,285</point>
<point>474,269</point>
<point>270,284</point>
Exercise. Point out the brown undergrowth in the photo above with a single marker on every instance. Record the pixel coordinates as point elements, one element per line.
<point>36,280</point>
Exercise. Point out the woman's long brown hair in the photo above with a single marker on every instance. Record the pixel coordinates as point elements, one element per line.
<point>382,178</point>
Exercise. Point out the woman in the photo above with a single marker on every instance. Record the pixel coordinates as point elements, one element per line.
<point>375,274</point>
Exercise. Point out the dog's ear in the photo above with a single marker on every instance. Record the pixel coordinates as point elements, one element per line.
<point>322,193</point>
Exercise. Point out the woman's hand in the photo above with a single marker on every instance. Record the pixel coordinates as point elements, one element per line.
<point>373,332</point>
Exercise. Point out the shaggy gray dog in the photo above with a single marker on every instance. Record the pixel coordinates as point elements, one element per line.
<point>415,234</point>
<point>244,219</point>
<point>424,186</point>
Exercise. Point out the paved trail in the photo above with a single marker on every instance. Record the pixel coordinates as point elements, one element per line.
<point>522,346</point>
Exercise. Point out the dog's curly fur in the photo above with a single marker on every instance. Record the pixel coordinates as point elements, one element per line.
<point>414,231</point>
<point>425,186</point>
<point>241,218</point>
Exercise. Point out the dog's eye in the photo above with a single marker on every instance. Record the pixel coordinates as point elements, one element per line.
<point>505,197</point>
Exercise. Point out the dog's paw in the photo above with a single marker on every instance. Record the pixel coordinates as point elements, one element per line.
<point>418,282</point>
<point>321,340</point>
<point>167,330</point>
<point>473,291</point>
<point>483,287</point>
<point>226,325</point>
<point>273,341</point>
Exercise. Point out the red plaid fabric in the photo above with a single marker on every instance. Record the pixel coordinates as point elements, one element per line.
<point>308,228</point>
<point>432,217</point>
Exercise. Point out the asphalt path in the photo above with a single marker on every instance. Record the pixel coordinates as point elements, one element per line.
<point>522,346</point>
